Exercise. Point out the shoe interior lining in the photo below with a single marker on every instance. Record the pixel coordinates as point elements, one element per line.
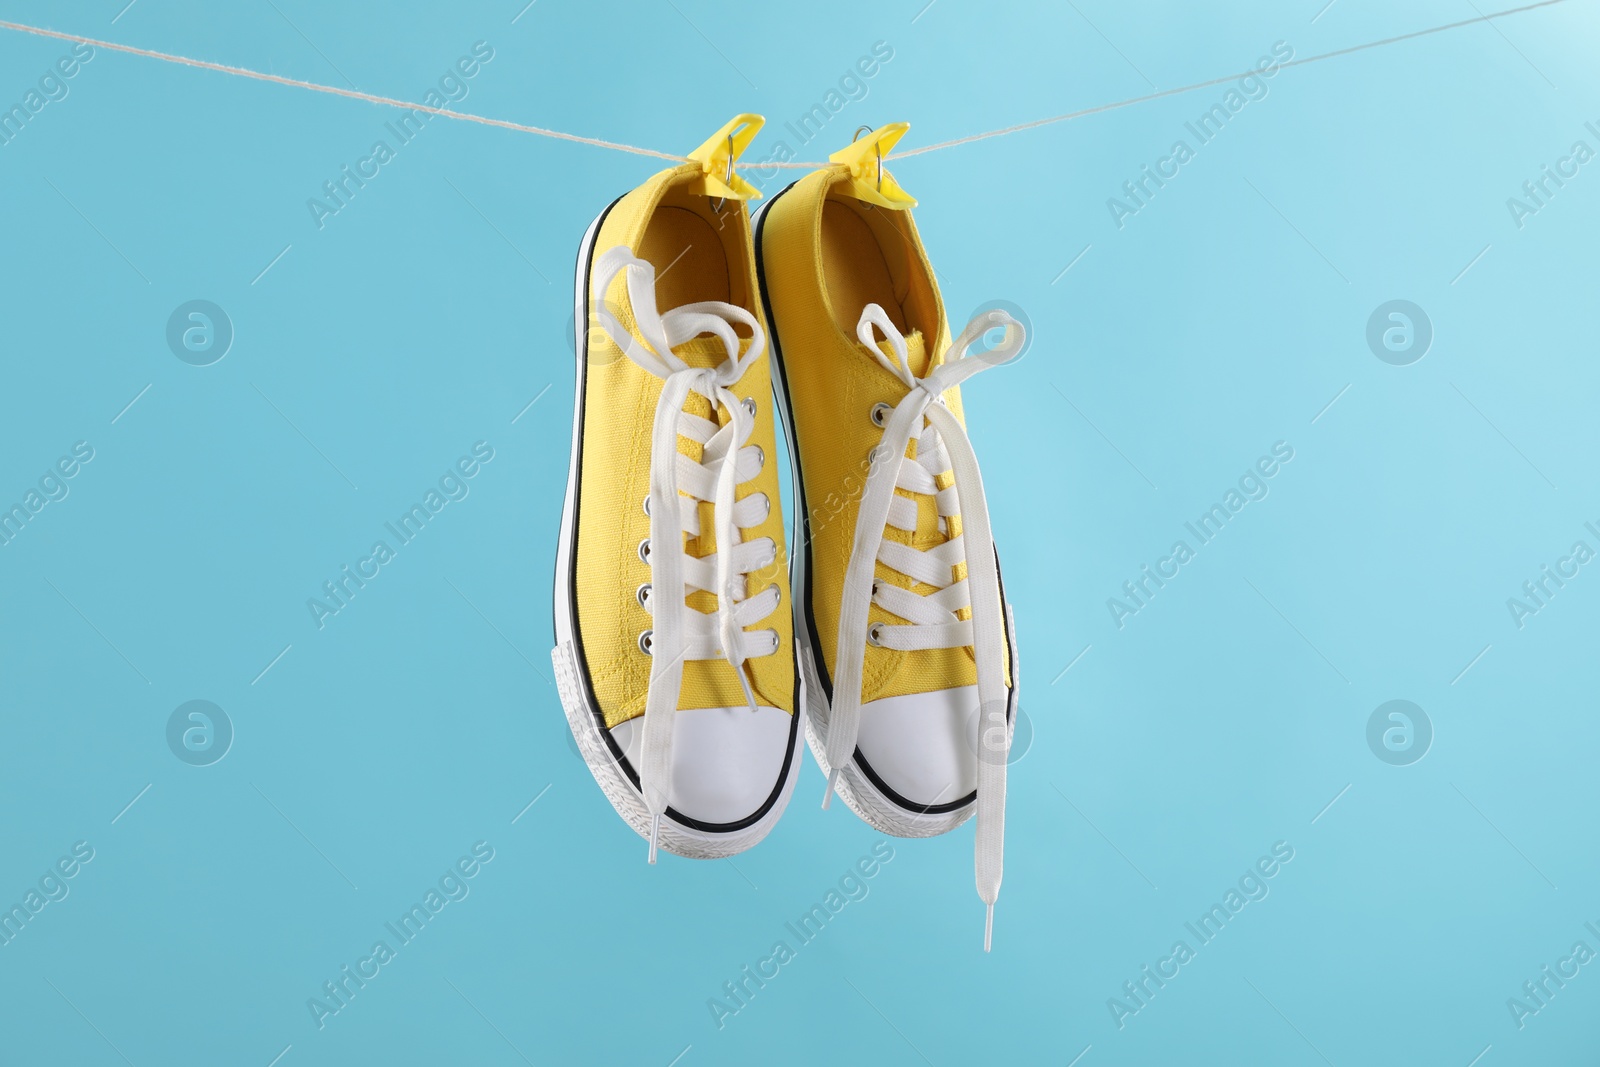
<point>867,258</point>
<point>692,254</point>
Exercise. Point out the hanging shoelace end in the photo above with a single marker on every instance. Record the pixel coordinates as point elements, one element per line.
<point>988,929</point>
<point>655,835</point>
<point>749,696</point>
<point>833,780</point>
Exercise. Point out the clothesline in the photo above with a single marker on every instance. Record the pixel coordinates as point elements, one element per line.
<point>540,131</point>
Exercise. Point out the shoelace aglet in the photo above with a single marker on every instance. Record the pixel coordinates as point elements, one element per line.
<point>655,834</point>
<point>833,779</point>
<point>988,929</point>
<point>749,697</point>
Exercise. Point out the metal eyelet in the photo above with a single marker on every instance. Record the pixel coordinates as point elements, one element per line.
<point>645,641</point>
<point>642,594</point>
<point>749,405</point>
<point>874,587</point>
<point>761,456</point>
<point>646,505</point>
<point>880,414</point>
<point>874,634</point>
<point>644,550</point>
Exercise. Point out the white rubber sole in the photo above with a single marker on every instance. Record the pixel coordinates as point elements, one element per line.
<point>858,791</point>
<point>675,837</point>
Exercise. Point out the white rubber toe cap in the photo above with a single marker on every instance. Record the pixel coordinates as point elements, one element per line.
<point>726,762</point>
<point>923,746</point>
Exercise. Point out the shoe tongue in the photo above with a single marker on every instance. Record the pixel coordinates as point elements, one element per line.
<point>916,353</point>
<point>706,352</point>
<point>927,534</point>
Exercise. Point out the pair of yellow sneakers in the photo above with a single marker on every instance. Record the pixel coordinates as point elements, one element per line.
<point>679,614</point>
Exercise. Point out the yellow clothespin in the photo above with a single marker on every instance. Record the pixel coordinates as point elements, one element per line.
<point>869,181</point>
<point>717,155</point>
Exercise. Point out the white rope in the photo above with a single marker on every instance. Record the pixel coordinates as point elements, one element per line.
<point>353,94</point>
<point>1210,82</point>
<point>596,142</point>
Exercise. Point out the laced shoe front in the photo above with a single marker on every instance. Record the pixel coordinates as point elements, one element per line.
<point>673,657</point>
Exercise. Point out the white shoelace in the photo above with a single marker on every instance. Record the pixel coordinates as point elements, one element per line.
<point>942,445</point>
<point>678,632</point>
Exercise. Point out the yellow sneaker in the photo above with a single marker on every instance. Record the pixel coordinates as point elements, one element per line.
<point>674,647</point>
<point>907,655</point>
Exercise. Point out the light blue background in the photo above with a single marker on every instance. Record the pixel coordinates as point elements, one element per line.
<point>1225,716</point>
